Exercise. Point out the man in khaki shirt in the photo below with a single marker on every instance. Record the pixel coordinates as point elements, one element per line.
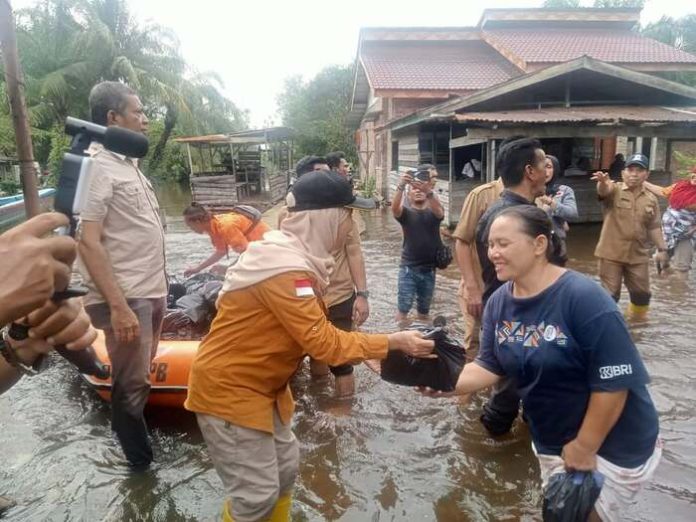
<point>122,261</point>
<point>346,298</point>
<point>471,284</point>
<point>631,223</point>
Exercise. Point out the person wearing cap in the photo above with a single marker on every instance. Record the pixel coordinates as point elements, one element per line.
<point>347,296</point>
<point>631,222</point>
<point>310,164</point>
<point>679,220</point>
<point>420,223</point>
<point>270,316</point>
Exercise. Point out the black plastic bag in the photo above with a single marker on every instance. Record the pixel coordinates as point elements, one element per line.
<point>439,374</point>
<point>176,291</point>
<point>194,283</point>
<point>571,496</point>
<point>194,306</point>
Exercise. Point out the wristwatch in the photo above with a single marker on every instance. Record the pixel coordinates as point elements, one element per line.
<point>430,195</point>
<point>10,355</point>
<point>363,293</point>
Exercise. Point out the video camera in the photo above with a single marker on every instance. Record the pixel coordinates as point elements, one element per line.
<point>71,196</point>
<point>76,171</point>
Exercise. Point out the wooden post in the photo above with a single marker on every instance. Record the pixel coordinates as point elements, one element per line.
<point>188,152</point>
<point>20,119</point>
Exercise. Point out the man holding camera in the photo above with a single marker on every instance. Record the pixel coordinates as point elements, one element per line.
<point>420,222</point>
<point>32,269</point>
<point>122,254</point>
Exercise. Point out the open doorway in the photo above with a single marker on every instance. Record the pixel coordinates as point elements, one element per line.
<point>468,163</point>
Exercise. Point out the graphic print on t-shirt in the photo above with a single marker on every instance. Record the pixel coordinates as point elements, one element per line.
<point>529,335</point>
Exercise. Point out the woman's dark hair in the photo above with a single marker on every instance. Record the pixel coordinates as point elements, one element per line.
<point>197,212</point>
<point>535,222</point>
<point>552,185</point>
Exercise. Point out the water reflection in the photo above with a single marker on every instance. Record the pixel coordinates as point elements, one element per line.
<point>387,454</point>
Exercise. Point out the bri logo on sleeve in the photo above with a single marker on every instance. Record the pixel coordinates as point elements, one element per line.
<point>303,288</point>
<point>609,372</point>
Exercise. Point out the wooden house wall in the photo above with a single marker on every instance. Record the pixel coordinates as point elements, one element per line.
<point>217,193</point>
<point>278,185</point>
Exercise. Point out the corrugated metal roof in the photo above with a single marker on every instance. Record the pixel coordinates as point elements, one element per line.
<point>560,45</point>
<point>595,114</point>
<point>210,138</point>
<point>448,66</point>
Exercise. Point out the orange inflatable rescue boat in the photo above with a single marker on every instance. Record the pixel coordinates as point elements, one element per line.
<point>169,372</point>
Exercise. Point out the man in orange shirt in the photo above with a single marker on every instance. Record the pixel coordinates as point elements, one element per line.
<point>233,230</point>
<point>270,316</point>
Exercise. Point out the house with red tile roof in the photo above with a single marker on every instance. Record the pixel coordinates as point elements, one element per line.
<point>584,81</point>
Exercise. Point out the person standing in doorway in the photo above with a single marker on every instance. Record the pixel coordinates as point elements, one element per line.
<point>420,223</point>
<point>122,261</point>
<point>631,223</point>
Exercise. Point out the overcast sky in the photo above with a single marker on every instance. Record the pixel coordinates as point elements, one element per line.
<point>254,46</point>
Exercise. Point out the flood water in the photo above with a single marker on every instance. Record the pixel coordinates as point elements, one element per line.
<point>388,454</point>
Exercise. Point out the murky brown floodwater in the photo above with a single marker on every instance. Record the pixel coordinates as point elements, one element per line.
<point>388,454</point>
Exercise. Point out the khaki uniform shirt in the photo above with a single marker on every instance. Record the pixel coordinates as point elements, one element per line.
<point>260,335</point>
<point>628,217</point>
<point>341,284</point>
<point>475,204</point>
<point>122,199</point>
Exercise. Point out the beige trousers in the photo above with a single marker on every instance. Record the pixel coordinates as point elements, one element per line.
<point>472,327</point>
<point>255,467</point>
<point>635,276</point>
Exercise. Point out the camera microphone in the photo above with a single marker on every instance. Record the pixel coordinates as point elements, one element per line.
<point>116,139</point>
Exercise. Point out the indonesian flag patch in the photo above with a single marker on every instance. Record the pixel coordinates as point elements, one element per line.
<point>303,288</point>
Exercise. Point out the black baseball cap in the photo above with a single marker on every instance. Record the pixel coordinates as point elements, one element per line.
<point>638,159</point>
<point>306,164</point>
<point>318,190</point>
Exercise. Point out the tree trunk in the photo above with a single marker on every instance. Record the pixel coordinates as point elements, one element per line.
<point>170,119</point>
<point>18,108</point>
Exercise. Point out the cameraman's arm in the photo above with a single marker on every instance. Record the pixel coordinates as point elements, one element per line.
<point>123,320</point>
<point>52,325</point>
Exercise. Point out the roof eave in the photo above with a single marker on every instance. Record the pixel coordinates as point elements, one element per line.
<point>538,76</point>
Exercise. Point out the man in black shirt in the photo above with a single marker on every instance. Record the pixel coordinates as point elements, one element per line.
<point>420,222</point>
<point>520,163</point>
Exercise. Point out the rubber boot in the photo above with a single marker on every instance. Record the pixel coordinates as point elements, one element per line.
<point>281,511</point>
<point>635,311</point>
<point>227,512</point>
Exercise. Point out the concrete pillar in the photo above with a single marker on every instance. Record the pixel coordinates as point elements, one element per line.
<point>490,157</point>
<point>653,153</point>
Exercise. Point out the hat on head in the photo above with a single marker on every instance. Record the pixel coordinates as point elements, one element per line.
<point>638,159</point>
<point>318,190</point>
<point>306,164</point>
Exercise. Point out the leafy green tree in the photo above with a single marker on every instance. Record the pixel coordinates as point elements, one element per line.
<point>67,46</point>
<point>679,33</point>
<point>562,4</point>
<point>317,110</point>
<point>619,3</point>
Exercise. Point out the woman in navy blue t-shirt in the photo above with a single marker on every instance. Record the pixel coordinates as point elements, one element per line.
<point>581,378</point>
